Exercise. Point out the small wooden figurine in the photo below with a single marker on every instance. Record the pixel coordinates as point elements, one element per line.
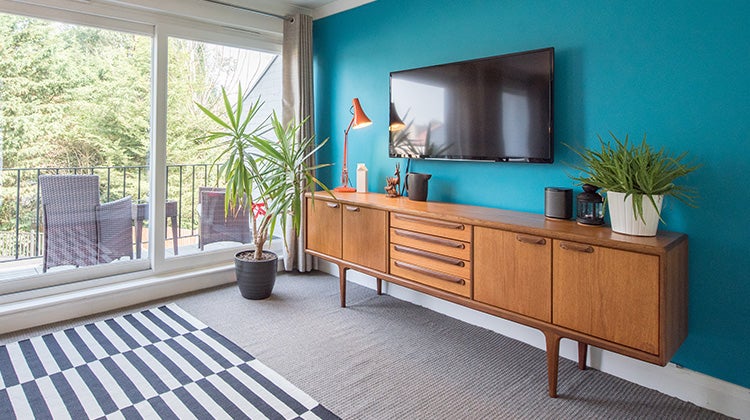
<point>393,183</point>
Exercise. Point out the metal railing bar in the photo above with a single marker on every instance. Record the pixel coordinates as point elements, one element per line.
<point>179,195</point>
<point>139,182</point>
<point>109,182</point>
<point>38,206</point>
<point>192,204</point>
<point>166,189</point>
<point>17,244</point>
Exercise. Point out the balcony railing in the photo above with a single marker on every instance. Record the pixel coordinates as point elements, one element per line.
<point>21,233</point>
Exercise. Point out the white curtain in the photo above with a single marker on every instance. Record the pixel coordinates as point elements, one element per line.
<point>298,104</point>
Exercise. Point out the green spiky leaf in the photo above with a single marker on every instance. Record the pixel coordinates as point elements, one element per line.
<point>636,170</point>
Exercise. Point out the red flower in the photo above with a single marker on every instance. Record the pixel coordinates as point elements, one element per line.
<point>259,209</point>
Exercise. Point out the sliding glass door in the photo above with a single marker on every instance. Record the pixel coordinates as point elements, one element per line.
<point>198,71</point>
<point>74,131</point>
<point>100,134</point>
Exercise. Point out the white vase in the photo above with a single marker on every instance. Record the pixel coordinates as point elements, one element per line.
<point>626,220</point>
<point>361,178</point>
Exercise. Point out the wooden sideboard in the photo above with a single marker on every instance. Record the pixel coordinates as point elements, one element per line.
<point>621,293</point>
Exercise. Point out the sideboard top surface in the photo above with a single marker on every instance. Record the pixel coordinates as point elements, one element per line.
<point>521,222</point>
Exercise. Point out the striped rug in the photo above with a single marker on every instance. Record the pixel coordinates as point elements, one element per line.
<point>159,363</point>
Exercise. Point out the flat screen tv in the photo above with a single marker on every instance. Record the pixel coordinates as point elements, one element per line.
<point>496,109</point>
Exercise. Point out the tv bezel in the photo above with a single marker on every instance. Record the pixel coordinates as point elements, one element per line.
<point>524,159</point>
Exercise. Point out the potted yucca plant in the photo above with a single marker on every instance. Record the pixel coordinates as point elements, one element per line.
<point>636,178</point>
<point>264,166</point>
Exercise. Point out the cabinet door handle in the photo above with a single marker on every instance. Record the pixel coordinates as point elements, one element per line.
<point>432,222</point>
<point>428,272</point>
<point>533,240</point>
<point>430,239</point>
<point>576,247</point>
<point>333,205</point>
<point>351,208</point>
<point>430,255</point>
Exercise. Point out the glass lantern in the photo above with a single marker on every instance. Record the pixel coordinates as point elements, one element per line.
<point>590,206</point>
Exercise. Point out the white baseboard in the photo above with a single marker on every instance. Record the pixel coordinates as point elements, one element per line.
<point>685,384</point>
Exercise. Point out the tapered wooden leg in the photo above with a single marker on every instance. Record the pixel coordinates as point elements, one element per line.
<point>582,351</point>
<point>342,285</point>
<point>380,286</point>
<point>553,353</point>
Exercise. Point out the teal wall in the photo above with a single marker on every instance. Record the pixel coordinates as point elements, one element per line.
<point>675,70</point>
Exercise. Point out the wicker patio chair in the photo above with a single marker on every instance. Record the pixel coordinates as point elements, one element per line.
<point>78,230</point>
<point>214,226</point>
<point>115,229</point>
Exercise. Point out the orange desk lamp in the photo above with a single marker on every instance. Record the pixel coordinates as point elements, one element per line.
<point>359,120</point>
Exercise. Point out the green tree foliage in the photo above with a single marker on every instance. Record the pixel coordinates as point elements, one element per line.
<point>72,96</point>
<point>79,97</point>
<point>183,120</point>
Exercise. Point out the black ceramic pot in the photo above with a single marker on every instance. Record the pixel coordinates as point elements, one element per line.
<point>255,278</point>
<point>416,185</point>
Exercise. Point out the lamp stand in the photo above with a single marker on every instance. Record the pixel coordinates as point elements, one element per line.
<point>345,185</point>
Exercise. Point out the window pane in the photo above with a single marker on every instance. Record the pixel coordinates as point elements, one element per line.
<point>74,100</point>
<point>197,73</point>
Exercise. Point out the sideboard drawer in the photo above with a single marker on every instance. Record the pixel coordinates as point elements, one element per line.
<point>431,277</point>
<point>445,264</point>
<point>445,229</point>
<point>436,244</point>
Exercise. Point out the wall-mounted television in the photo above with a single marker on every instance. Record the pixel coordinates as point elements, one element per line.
<point>495,108</point>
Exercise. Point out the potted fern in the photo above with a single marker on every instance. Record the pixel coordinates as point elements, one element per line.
<point>264,166</point>
<point>636,178</point>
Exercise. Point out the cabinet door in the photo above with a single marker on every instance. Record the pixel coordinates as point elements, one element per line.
<point>365,236</point>
<point>513,271</point>
<point>608,293</point>
<point>324,227</point>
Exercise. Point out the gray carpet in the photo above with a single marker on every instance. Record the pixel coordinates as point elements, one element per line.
<point>382,358</point>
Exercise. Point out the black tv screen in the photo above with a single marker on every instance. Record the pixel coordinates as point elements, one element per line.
<point>496,108</point>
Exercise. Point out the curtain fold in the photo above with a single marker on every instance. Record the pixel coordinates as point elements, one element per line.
<point>297,104</point>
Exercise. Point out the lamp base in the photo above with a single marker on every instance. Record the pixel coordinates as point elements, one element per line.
<point>345,189</point>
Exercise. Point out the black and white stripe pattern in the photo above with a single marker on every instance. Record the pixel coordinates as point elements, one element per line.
<point>160,363</point>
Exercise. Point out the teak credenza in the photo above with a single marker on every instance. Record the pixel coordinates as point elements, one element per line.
<point>621,293</point>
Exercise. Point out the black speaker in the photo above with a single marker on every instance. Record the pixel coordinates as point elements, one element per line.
<point>558,203</point>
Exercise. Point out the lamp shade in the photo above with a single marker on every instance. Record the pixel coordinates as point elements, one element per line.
<point>360,119</point>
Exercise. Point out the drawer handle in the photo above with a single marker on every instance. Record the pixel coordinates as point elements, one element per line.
<point>533,240</point>
<point>352,208</point>
<point>432,222</point>
<point>430,239</point>
<point>333,205</point>
<point>430,255</point>
<point>578,248</point>
<point>431,273</point>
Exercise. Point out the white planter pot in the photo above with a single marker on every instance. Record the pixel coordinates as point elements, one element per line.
<point>625,220</point>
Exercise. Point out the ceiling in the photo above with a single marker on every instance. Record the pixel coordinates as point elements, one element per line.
<point>316,8</point>
<point>310,4</point>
